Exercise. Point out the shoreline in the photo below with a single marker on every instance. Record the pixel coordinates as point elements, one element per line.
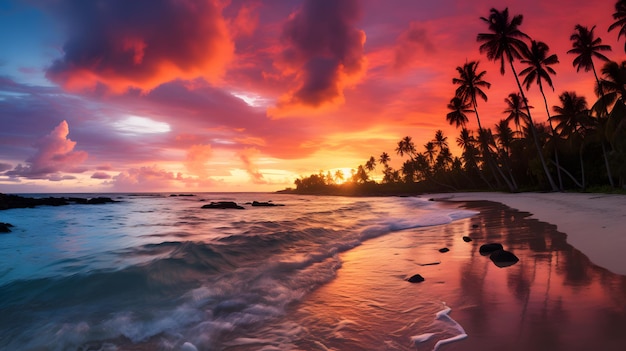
<point>593,223</point>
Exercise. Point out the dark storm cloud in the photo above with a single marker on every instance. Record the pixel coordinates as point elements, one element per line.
<point>140,43</point>
<point>325,48</point>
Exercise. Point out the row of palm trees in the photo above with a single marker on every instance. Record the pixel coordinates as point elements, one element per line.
<point>565,147</point>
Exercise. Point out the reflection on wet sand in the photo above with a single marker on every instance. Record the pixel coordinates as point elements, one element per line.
<point>552,299</point>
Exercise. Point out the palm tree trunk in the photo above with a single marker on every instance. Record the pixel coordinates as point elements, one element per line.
<point>555,138</point>
<point>488,155</point>
<point>532,128</point>
<point>606,110</point>
<point>582,166</point>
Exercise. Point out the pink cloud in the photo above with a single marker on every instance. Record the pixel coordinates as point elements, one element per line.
<point>255,175</point>
<point>196,160</point>
<point>411,43</point>
<point>100,175</point>
<point>141,178</point>
<point>55,154</point>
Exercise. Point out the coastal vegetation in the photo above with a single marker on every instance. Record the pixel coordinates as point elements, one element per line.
<point>576,143</point>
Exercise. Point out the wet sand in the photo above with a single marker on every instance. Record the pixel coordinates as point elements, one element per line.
<point>553,299</point>
<point>594,223</point>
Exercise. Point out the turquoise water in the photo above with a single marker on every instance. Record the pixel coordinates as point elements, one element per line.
<point>160,272</point>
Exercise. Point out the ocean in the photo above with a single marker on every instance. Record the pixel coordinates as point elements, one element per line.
<point>159,272</point>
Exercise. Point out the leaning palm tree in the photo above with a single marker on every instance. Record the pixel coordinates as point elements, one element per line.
<point>620,19</point>
<point>459,110</point>
<point>573,121</point>
<point>538,71</point>
<point>505,42</point>
<point>587,47</point>
<point>471,85</point>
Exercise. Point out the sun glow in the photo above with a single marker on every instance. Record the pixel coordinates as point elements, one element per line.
<point>341,175</point>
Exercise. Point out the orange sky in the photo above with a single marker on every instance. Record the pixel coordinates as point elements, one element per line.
<point>246,95</point>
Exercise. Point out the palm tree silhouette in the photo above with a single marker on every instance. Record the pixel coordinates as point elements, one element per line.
<point>538,71</point>
<point>384,159</point>
<point>573,121</point>
<point>620,19</point>
<point>470,85</point>
<point>515,109</point>
<point>588,47</point>
<point>459,109</point>
<point>440,140</point>
<point>406,146</point>
<point>505,42</point>
<point>370,165</point>
<point>430,152</point>
<point>614,82</point>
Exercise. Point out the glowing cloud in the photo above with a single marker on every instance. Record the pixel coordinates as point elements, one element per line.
<point>324,53</point>
<point>55,154</point>
<point>255,175</point>
<point>197,158</point>
<point>410,44</point>
<point>141,125</point>
<point>145,178</point>
<point>142,43</point>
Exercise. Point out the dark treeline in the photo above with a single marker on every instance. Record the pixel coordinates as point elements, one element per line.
<point>581,143</point>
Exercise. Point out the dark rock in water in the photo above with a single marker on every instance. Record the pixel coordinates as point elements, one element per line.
<point>223,205</point>
<point>467,239</point>
<point>445,249</point>
<point>5,227</point>
<point>486,249</point>
<point>502,258</point>
<point>415,279</point>
<point>265,204</point>
<point>15,201</point>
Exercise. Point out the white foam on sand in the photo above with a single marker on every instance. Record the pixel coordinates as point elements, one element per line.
<point>444,317</point>
<point>595,224</point>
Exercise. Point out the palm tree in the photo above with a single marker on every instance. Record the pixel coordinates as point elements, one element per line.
<point>470,85</point>
<point>614,83</point>
<point>573,119</point>
<point>538,71</point>
<point>588,47</point>
<point>459,109</point>
<point>514,111</point>
<point>504,135</point>
<point>339,176</point>
<point>505,42</point>
<point>406,146</point>
<point>384,159</point>
<point>440,140</point>
<point>620,19</point>
<point>430,152</point>
<point>370,165</point>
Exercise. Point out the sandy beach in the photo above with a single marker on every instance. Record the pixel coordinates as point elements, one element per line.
<point>593,223</point>
<point>554,298</point>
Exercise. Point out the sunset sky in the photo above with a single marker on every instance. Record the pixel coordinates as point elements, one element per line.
<point>209,95</point>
